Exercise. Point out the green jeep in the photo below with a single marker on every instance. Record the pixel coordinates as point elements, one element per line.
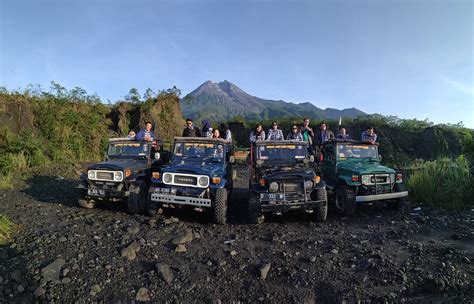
<point>353,175</point>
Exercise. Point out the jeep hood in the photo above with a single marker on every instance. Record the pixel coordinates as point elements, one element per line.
<point>208,170</point>
<point>363,167</point>
<point>120,165</point>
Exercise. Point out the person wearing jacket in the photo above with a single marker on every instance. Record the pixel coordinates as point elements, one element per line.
<point>257,134</point>
<point>190,130</point>
<point>323,135</point>
<point>146,133</point>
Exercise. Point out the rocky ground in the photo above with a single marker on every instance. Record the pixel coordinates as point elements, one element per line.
<point>63,254</point>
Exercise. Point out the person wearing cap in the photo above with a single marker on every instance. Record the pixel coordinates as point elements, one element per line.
<point>206,129</point>
<point>274,133</point>
<point>190,130</point>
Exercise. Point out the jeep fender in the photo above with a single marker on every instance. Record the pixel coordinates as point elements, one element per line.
<point>320,185</point>
<point>347,180</point>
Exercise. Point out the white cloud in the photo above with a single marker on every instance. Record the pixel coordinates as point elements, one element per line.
<point>463,87</point>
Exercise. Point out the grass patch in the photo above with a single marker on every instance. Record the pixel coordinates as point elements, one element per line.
<point>6,229</point>
<point>6,181</point>
<point>444,183</point>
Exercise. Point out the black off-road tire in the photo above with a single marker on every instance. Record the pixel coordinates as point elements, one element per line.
<point>321,213</point>
<point>345,200</point>
<point>152,208</point>
<point>87,204</point>
<point>220,206</point>
<point>399,203</point>
<point>254,208</point>
<point>137,200</point>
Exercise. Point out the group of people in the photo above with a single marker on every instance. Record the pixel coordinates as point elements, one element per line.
<point>306,133</point>
<point>299,133</point>
<point>223,132</point>
<point>207,131</point>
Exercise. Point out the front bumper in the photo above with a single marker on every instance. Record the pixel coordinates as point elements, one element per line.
<point>381,197</point>
<point>97,193</point>
<point>180,200</point>
<point>285,206</point>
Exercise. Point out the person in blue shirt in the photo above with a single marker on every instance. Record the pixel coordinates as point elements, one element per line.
<point>146,133</point>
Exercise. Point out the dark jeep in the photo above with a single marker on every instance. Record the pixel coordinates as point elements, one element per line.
<point>123,176</point>
<point>281,179</point>
<point>199,176</point>
<point>353,173</point>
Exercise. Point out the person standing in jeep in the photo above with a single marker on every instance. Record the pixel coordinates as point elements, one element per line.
<point>190,130</point>
<point>324,135</point>
<point>257,134</point>
<point>274,133</point>
<point>294,134</point>
<point>369,136</point>
<point>146,133</point>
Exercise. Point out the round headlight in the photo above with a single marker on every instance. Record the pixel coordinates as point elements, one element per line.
<point>167,178</point>
<point>203,181</point>
<point>273,187</point>
<point>118,176</point>
<point>308,184</point>
<point>91,174</point>
<point>365,179</point>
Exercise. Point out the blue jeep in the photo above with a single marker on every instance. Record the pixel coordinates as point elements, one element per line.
<point>124,175</point>
<point>199,175</point>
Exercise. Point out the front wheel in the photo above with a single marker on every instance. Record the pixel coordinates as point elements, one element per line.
<point>321,213</point>
<point>254,208</point>
<point>136,201</point>
<point>345,200</point>
<point>87,203</point>
<point>220,206</point>
<point>399,203</point>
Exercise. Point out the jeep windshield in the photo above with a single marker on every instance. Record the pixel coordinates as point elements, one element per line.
<point>281,152</point>
<point>129,149</point>
<point>345,151</point>
<point>202,151</point>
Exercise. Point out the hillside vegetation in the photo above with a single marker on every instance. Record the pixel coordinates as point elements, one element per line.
<point>39,127</point>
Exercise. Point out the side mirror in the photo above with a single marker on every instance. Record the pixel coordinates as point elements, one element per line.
<point>232,159</point>
<point>157,155</point>
<point>106,157</point>
<point>380,158</point>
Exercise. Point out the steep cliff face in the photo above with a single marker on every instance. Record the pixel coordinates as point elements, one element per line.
<point>164,112</point>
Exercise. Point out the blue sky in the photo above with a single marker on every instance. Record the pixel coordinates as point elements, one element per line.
<point>413,59</point>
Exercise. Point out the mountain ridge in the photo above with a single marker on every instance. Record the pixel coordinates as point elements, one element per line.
<point>223,101</point>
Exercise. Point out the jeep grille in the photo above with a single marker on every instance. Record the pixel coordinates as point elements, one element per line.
<point>292,186</point>
<point>185,180</point>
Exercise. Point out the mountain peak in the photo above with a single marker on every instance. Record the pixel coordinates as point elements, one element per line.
<point>224,100</point>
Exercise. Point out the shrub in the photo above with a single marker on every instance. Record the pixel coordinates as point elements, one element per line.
<point>443,183</point>
<point>6,229</point>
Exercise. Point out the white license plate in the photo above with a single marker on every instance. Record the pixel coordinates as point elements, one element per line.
<point>95,192</point>
<point>166,190</point>
<point>272,197</point>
